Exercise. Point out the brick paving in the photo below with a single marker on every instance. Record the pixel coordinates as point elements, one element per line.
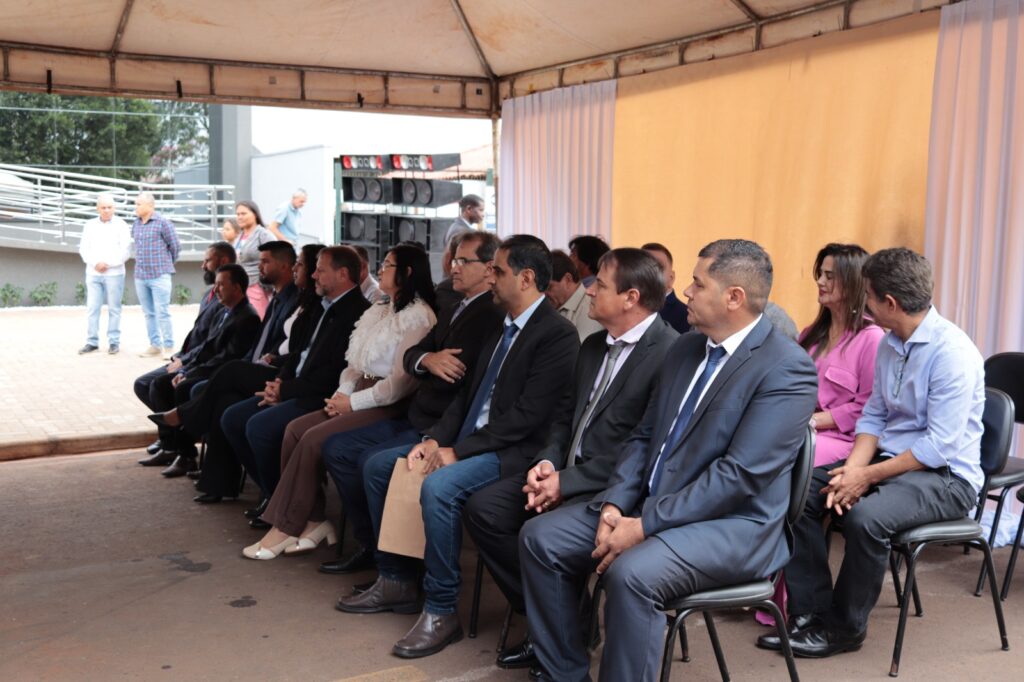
<point>58,402</point>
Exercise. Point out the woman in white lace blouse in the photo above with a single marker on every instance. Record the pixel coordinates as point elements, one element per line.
<point>372,387</point>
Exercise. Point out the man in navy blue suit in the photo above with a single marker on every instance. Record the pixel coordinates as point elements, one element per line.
<point>699,496</point>
<point>673,311</point>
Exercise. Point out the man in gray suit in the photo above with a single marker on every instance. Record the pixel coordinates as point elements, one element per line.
<point>699,495</point>
<point>614,379</point>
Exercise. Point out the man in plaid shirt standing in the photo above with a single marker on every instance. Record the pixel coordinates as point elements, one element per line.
<point>156,249</point>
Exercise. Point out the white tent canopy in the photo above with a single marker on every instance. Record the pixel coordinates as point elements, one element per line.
<point>458,57</point>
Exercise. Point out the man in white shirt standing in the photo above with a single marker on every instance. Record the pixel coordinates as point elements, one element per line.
<point>105,246</point>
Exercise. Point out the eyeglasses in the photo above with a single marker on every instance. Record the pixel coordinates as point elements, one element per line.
<point>461,262</point>
<point>384,266</point>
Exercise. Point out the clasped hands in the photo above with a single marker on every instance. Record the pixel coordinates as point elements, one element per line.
<point>339,403</point>
<point>271,393</point>
<point>847,485</point>
<point>543,488</point>
<point>432,456</point>
<point>615,534</point>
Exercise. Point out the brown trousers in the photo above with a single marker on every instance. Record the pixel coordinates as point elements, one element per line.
<point>299,496</point>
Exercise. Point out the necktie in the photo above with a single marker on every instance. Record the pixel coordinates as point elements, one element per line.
<point>614,351</point>
<point>268,320</point>
<point>458,310</point>
<point>483,393</point>
<point>715,356</point>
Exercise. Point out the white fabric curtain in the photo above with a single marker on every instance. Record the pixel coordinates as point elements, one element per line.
<point>974,219</point>
<point>555,176</point>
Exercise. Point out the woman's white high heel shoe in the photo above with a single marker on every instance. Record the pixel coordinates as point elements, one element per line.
<point>261,553</point>
<point>307,543</point>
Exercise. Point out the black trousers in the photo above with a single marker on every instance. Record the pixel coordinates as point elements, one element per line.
<point>897,504</point>
<point>233,382</point>
<point>165,396</point>
<point>493,517</point>
<point>143,384</point>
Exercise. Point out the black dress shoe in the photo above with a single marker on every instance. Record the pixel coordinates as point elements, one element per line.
<point>820,641</point>
<point>360,561</point>
<point>161,458</point>
<point>359,588</point>
<point>158,419</point>
<point>257,511</point>
<point>154,447</point>
<point>207,498</point>
<point>194,474</point>
<point>537,673</point>
<point>793,627</point>
<point>179,467</point>
<point>259,524</point>
<point>520,656</point>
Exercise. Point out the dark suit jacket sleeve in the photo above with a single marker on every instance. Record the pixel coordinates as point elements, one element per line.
<point>764,443</point>
<point>550,364</point>
<point>626,484</point>
<point>239,341</point>
<point>323,378</point>
<point>428,344</point>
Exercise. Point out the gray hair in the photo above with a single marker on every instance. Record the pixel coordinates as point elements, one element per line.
<point>299,192</point>
<point>105,196</point>
<point>145,198</point>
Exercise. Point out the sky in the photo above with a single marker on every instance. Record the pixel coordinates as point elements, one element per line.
<point>276,129</point>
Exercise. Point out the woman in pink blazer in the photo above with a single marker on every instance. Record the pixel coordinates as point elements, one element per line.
<point>843,342</point>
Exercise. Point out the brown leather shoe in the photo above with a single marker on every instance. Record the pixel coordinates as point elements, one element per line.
<point>430,635</point>
<point>385,595</point>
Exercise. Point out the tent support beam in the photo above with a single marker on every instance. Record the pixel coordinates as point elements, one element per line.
<point>484,64</point>
<point>121,25</point>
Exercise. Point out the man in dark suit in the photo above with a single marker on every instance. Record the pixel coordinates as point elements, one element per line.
<point>616,372</point>
<point>254,427</point>
<point>673,310</point>
<point>161,451</point>
<point>441,361</point>
<point>699,496</point>
<point>492,429</point>
<point>277,261</point>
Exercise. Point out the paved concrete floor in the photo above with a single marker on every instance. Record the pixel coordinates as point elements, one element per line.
<point>109,571</point>
<point>54,398</point>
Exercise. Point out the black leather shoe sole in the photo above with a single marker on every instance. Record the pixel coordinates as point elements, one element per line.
<point>161,458</point>
<point>429,651</point>
<point>406,608</point>
<point>361,561</point>
<point>259,524</point>
<point>207,498</point>
<point>515,662</point>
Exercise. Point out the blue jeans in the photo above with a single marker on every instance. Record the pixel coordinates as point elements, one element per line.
<point>442,497</point>
<point>255,434</point>
<point>344,455</point>
<point>155,298</point>
<point>100,290</point>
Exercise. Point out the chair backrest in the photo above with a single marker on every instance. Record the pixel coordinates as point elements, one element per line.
<point>998,422</point>
<point>803,468</point>
<point>1005,371</point>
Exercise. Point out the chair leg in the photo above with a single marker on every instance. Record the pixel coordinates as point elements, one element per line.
<point>911,557</point>
<point>996,601</point>
<point>595,611</point>
<point>1013,559</point>
<point>894,568</point>
<point>666,656</point>
<point>979,511</point>
<point>684,643</point>
<point>478,583</point>
<point>992,538</point>
<point>780,627</point>
<point>505,624</point>
<point>717,646</point>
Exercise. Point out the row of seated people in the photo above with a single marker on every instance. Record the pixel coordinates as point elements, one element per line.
<point>661,461</point>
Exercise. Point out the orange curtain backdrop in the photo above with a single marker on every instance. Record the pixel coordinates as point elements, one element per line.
<point>822,140</point>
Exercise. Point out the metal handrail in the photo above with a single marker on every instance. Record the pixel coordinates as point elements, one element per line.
<point>51,206</point>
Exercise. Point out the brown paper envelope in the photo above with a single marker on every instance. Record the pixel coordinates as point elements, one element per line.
<point>401,527</point>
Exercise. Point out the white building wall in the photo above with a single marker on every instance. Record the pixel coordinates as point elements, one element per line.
<point>276,176</point>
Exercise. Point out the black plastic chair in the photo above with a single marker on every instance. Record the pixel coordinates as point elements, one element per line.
<point>995,448</point>
<point>1003,371</point>
<point>753,594</point>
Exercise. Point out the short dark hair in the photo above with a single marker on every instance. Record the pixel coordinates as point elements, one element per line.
<point>902,274</point>
<point>660,248</point>
<point>251,205</point>
<point>470,200</point>
<point>589,250</point>
<point>224,250</point>
<point>528,252</point>
<point>486,243</point>
<point>741,263</point>
<point>416,283</point>
<point>282,251</point>
<point>237,274</point>
<point>344,258</point>
<point>562,265</point>
<point>364,255</point>
<point>637,269</point>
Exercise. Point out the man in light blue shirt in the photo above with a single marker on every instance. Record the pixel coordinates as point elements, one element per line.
<point>288,217</point>
<point>916,459</point>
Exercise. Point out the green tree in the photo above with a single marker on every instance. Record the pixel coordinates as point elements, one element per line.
<point>127,138</point>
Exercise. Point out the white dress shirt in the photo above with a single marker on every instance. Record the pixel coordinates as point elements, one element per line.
<point>105,242</point>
